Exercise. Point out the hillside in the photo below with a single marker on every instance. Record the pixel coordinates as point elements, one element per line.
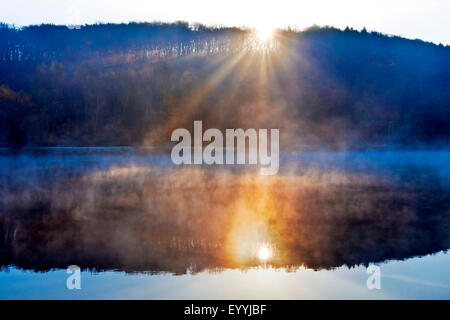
<point>132,84</point>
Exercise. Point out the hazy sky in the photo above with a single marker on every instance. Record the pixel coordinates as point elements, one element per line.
<point>425,19</point>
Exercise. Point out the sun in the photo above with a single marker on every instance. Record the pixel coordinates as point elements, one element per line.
<point>264,33</point>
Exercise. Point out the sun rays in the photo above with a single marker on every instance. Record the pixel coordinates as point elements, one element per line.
<point>246,74</point>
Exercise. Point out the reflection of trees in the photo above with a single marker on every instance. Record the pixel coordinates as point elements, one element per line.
<point>152,219</point>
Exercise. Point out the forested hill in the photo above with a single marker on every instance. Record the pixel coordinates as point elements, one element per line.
<point>132,84</point>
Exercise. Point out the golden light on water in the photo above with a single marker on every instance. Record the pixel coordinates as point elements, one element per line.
<point>240,220</point>
<point>237,221</point>
<point>264,253</point>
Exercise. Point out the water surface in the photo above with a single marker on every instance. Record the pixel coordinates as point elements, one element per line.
<point>142,228</point>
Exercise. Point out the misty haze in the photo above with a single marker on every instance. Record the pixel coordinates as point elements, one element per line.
<point>86,177</point>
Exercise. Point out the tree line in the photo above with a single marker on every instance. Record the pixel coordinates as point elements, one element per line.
<point>132,84</point>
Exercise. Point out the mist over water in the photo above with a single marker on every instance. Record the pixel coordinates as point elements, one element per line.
<point>136,212</point>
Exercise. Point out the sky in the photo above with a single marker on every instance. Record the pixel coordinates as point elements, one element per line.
<point>423,19</point>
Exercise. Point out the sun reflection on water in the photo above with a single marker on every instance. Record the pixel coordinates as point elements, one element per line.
<point>264,253</point>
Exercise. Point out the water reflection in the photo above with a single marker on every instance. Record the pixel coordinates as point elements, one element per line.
<point>137,217</point>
